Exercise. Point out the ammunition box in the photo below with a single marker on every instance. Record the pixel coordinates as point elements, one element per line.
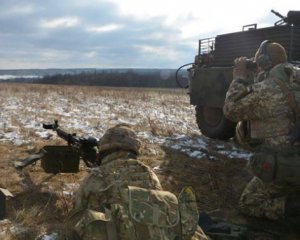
<point>60,159</point>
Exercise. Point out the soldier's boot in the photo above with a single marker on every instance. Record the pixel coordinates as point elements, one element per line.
<point>292,206</point>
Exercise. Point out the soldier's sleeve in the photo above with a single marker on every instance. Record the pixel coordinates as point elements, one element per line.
<point>234,106</point>
<point>88,191</point>
<point>246,101</point>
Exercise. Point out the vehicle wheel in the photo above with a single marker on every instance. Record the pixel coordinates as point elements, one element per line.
<point>212,123</point>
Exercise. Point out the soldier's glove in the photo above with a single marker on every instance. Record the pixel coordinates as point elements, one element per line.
<point>90,156</point>
<point>240,68</point>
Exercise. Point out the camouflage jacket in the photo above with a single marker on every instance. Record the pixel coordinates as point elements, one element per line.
<point>264,104</point>
<point>114,172</point>
<point>125,196</point>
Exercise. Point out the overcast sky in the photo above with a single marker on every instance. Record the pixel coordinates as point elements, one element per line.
<point>121,33</point>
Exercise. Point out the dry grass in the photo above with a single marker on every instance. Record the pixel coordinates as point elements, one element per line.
<point>40,202</point>
<point>43,202</point>
<point>121,102</point>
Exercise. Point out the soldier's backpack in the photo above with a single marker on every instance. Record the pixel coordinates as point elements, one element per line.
<point>141,214</point>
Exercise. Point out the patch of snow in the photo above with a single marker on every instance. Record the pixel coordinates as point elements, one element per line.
<point>70,188</point>
<point>44,134</point>
<point>51,236</point>
<point>67,193</point>
<point>93,115</point>
<point>157,168</point>
<point>237,154</point>
<point>198,147</point>
<point>197,154</point>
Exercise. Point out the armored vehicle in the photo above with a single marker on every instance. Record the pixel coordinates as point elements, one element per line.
<point>211,72</point>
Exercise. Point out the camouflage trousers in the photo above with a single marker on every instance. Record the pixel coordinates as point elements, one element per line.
<point>260,199</point>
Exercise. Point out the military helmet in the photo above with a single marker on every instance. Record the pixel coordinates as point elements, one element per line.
<point>270,54</point>
<point>119,137</point>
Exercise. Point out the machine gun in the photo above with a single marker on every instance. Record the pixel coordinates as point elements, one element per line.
<point>292,18</point>
<point>64,158</point>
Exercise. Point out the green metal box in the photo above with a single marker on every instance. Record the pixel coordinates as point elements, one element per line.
<point>60,159</point>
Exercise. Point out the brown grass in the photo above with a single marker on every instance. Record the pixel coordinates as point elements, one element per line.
<point>42,202</point>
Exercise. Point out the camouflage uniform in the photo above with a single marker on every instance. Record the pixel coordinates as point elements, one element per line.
<point>123,198</point>
<point>270,119</point>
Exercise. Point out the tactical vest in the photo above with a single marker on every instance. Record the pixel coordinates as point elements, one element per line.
<point>279,127</point>
<point>137,208</point>
<point>282,165</point>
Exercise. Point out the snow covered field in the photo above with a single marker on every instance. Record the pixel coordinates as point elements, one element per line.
<point>161,116</point>
<point>163,119</point>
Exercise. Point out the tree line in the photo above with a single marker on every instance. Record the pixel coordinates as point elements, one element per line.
<point>130,78</point>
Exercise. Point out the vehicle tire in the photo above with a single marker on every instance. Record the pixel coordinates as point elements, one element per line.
<point>212,123</point>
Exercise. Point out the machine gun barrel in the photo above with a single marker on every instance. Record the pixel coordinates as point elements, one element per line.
<point>282,21</point>
<point>278,14</point>
<point>71,139</point>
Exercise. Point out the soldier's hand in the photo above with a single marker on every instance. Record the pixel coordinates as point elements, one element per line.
<point>240,68</point>
<point>90,156</point>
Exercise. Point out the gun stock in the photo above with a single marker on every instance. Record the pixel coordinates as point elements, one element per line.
<point>20,164</point>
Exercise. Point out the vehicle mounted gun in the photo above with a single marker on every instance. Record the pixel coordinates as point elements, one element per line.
<point>293,17</point>
<point>77,147</point>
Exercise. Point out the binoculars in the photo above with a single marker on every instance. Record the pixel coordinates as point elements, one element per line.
<point>251,65</point>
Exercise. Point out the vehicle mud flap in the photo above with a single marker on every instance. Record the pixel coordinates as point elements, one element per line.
<point>221,230</point>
